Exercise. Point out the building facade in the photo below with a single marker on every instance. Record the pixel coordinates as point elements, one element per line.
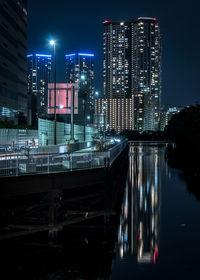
<point>146,72</point>
<point>132,69</point>
<point>13,64</point>
<point>167,112</point>
<point>80,70</point>
<point>39,75</point>
<point>114,113</point>
<point>116,62</point>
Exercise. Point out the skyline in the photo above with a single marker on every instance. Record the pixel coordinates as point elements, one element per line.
<point>179,31</point>
<point>99,173</point>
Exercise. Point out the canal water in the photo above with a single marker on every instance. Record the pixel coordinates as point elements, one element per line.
<point>156,236</point>
<point>159,230</point>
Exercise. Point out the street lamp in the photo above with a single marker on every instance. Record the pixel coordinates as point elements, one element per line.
<point>84,102</point>
<point>82,77</point>
<point>53,43</point>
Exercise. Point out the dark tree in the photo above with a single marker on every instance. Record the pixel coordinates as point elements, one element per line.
<point>184,130</point>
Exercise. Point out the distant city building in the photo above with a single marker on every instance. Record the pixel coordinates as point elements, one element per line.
<point>39,75</point>
<point>100,114</point>
<point>132,67</point>
<point>117,113</point>
<point>167,112</point>
<point>80,70</point>
<point>13,65</point>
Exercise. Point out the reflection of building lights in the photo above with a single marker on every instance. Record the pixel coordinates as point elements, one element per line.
<point>121,251</point>
<point>154,257</point>
<point>139,221</point>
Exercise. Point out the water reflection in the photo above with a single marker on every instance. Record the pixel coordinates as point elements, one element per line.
<point>138,232</point>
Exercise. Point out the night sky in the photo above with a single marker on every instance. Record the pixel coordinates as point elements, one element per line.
<point>77,26</point>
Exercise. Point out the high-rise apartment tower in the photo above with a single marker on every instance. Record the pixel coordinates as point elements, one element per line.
<point>132,69</point>
<point>80,70</point>
<point>39,75</point>
<point>146,72</point>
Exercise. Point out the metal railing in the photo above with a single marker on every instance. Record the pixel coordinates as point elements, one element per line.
<point>18,164</point>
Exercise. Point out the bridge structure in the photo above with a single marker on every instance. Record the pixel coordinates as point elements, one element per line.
<point>50,191</point>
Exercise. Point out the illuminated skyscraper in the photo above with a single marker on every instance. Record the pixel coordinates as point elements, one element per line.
<point>116,63</point>
<point>39,75</point>
<point>132,68</point>
<point>116,75</point>
<point>80,70</point>
<point>13,67</point>
<point>146,72</point>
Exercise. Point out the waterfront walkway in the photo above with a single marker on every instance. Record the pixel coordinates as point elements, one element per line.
<point>47,162</point>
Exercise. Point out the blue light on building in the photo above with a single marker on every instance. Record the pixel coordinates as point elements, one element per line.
<point>70,54</point>
<point>45,55</point>
<point>86,54</point>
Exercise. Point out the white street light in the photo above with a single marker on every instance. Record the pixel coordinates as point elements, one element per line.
<point>52,42</point>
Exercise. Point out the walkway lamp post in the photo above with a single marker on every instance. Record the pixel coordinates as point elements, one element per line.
<point>53,43</point>
<point>84,101</point>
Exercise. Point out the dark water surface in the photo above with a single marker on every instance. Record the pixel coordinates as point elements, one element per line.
<point>159,231</point>
<point>157,235</point>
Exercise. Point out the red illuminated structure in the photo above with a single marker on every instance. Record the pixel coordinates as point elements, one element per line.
<point>66,96</point>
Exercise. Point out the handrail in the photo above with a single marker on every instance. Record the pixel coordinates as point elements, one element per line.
<point>22,164</point>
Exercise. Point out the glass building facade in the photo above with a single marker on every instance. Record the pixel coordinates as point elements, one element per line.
<point>39,75</point>
<point>13,65</point>
<point>80,70</point>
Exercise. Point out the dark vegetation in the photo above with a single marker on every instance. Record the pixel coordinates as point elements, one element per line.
<point>184,131</point>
